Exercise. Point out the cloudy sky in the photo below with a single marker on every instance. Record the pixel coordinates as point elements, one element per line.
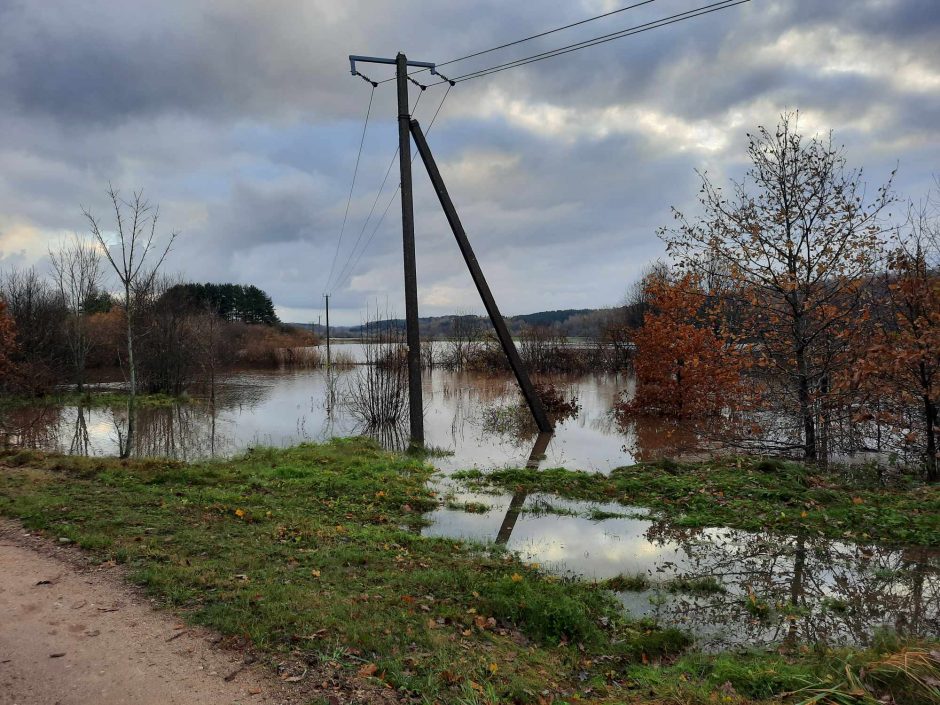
<point>242,121</point>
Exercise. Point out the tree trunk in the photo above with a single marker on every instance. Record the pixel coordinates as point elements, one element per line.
<point>132,378</point>
<point>806,408</point>
<point>930,416</point>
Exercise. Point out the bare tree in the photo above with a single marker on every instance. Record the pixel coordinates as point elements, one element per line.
<point>799,240</point>
<point>76,268</point>
<point>136,266</point>
<point>466,333</point>
<point>378,395</point>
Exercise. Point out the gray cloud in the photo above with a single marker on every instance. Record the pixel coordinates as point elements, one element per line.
<point>241,119</point>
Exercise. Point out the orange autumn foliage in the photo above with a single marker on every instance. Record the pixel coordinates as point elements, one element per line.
<point>901,369</point>
<point>684,369</point>
<point>7,342</point>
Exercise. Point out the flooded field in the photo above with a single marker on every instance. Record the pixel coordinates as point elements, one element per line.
<point>729,588</point>
<point>285,407</point>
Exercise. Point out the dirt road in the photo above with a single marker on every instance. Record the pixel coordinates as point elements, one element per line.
<point>73,634</point>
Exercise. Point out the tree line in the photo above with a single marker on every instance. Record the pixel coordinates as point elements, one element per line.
<point>165,335</point>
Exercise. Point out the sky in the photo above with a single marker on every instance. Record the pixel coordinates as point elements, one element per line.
<point>242,121</point>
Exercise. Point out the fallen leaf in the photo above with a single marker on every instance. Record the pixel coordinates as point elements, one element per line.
<point>368,670</point>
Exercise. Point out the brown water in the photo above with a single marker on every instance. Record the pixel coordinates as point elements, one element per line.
<point>771,588</point>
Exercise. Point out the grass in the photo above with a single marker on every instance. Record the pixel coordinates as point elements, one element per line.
<point>313,552</point>
<point>90,399</point>
<point>627,583</point>
<point>704,585</point>
<point>751,494</point>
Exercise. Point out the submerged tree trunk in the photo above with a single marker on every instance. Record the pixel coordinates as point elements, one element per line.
<point>806,409</point>
<point>931,417</point>
<point>132,380</point>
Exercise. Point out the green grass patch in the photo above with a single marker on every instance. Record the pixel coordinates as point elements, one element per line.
<point>91,399</point>
<point>746,493</point>
<point>627,583</point>
<point>704,585</point>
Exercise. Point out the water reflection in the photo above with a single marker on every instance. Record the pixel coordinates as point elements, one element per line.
<point>287,407</point>
<point>729,588</point>
<point>518,499</point>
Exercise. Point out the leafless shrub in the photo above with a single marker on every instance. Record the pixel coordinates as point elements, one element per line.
<point>76,268</point>
<point>378,394</point>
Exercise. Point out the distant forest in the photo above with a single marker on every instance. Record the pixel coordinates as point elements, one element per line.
<point>573,323</point>
<point>232,302</point>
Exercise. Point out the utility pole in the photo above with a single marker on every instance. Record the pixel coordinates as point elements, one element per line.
<point>327,331</point>
<point>413,336</point>
<point>406,129</point>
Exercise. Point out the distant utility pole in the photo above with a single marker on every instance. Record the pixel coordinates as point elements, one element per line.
<point>327,331</point>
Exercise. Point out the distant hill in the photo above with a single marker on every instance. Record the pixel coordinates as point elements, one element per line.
<point>573,322</point>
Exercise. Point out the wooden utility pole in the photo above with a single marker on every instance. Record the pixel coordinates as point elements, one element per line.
<point>502,332</point>
<point>413,336</point>
<point>408,126</point>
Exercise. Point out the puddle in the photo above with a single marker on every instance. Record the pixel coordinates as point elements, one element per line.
<point>735,588</point>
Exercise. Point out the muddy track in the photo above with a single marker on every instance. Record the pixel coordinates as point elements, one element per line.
<point>74,633</point>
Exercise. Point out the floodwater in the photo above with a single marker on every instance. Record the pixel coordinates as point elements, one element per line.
<point>478,419</point>
<point>728,588</point>
<point>770,589</point>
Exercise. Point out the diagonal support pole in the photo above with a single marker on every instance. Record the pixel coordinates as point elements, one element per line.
<point>502,332</point>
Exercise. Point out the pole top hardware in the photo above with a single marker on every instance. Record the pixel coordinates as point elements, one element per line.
<point>353,58</point>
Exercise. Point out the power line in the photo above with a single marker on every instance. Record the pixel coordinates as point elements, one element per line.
<point>545,34</point>
<point>602,39</point>
<point>342,279</point>
<point>352,186</point>
<point>533,36</point>
<point>637,29</point>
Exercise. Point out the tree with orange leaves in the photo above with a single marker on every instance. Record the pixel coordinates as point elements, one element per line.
<point>7,342</point>
<point>684,368</point>
<point>901,370</point>
<point>798,240</point>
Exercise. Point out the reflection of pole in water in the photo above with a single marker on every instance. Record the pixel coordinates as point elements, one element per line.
<point>797,594</point>
<point>518,499</point>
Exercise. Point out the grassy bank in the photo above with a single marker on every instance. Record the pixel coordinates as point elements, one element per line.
<point>313,553</point>
<point>90,399</point>
<point>749,494</point>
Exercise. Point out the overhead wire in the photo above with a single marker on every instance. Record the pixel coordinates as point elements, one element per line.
<point>343,277</point>
<point>602,39</point>
<point>347,270</point>
<point>339,278</point>
<point>352,186</point>
<point>531,37</point>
